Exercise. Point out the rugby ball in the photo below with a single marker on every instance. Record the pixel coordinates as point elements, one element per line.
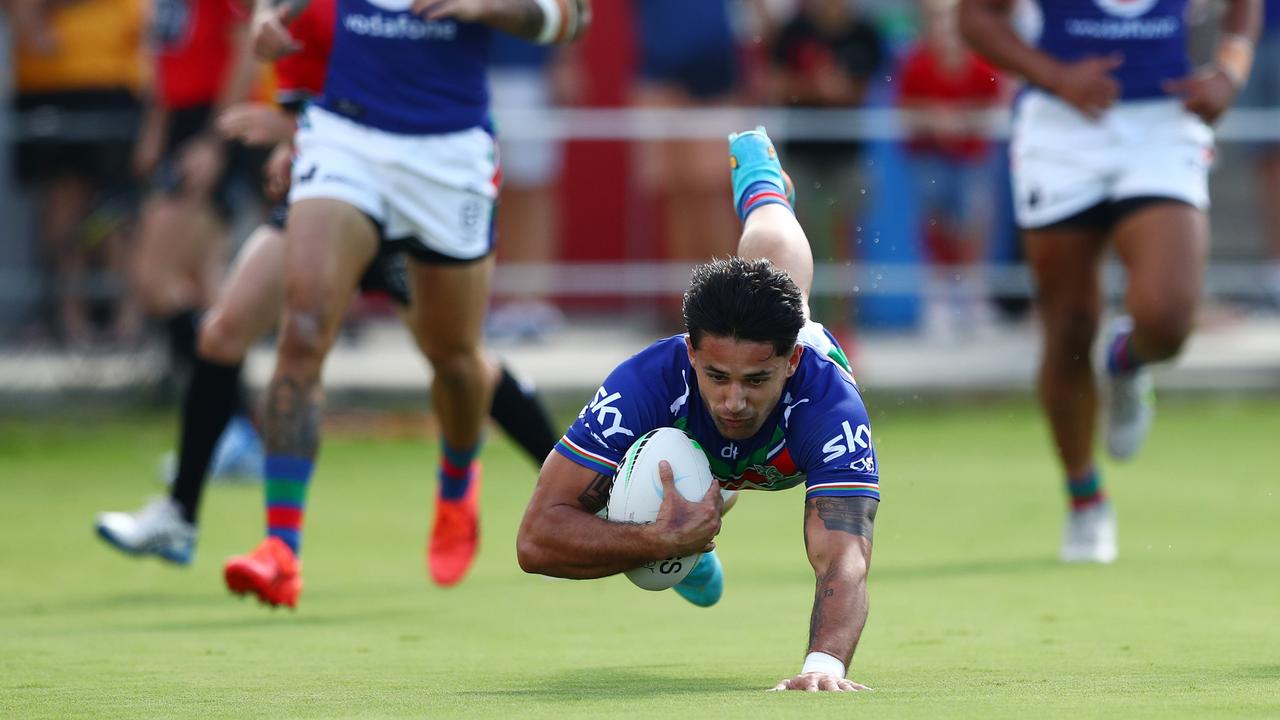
<point>637,495</point>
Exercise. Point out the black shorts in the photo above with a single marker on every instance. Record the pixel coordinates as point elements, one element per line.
<point>79,133</point>
<point>387,274</point>
<point>709,77</point>
<point>1107,214</point>
<point>241,172</point>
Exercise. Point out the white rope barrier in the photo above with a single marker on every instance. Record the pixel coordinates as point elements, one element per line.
<point>520,124</point>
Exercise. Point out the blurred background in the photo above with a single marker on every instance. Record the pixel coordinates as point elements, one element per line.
<point>614,184</point>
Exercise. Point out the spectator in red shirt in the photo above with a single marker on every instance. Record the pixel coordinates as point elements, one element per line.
<point>948,90</point>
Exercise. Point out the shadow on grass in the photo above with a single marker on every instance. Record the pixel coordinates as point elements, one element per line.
<point>629,683</point>
<point>174,612</point>
<point>1012,566</point>
<point>118,601</point>
<point>1258,672</point>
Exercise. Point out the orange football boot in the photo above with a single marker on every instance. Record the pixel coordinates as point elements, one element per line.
<point>455,534</point>
<point>272,572</point>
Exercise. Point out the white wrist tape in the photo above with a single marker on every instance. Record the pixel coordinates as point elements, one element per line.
<point>552,21</point>
<point>823,663</point>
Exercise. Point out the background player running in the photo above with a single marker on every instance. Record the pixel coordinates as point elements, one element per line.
<point>768,395</point>
<point>1111,147</point>
<point>249,305</point>
<point>397,153</point>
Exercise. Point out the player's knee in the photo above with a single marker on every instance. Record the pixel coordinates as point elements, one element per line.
<point>222,338</point>
<point>458,364</point>
<point>1164,333</point>
<point>302,343</point>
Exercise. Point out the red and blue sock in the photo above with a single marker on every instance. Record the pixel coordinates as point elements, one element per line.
<point>286,480</point>
<point>456,470</point>
<point>761,193</point>
<point>1086,490</point>
<point>1120,357</point>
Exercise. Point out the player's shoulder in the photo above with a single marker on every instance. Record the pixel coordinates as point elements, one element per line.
<point>666,355</point>
<point>655,371</point>
<point>823,357</point>
<point>822,380</point>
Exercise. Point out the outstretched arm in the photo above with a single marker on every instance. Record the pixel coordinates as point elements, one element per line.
<point>561,535</point>
<point>540,21</point>
<point>837,536</point>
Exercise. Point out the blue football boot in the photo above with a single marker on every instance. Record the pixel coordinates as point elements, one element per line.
<point>704,584</point>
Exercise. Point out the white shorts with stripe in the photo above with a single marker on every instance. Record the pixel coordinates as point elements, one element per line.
<point>1064,163</point>
<point>436,192</point>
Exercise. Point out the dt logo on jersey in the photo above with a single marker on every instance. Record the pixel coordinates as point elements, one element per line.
<point>1126,8</point>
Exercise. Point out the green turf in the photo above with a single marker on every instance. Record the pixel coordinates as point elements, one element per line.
<point>971,617</point>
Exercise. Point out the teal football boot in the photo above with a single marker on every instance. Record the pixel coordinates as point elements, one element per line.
<point>704,584</point>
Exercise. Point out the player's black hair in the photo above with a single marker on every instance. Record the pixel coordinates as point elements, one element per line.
<point>744,300</point>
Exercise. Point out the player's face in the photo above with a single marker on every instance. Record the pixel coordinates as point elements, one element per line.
<point>740,381</point>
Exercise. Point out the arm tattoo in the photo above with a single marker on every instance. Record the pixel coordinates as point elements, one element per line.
<point>596,496</point>
<point>820,597</point>
<point>854,515</point>
<point>293,419</point>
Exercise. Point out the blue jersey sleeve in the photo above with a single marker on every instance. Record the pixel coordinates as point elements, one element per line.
<point>628,404</point>
<point>832,437</point>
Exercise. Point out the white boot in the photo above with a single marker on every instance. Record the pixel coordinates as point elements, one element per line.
<point>156,529</point>
<point>1090,535</point>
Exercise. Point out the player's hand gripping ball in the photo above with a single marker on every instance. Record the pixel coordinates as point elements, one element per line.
<point>637,495</point>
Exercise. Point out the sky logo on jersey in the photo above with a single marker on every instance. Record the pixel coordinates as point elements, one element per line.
<point>1126,8</point>
<point>609,417</point>
<point>848,441</point>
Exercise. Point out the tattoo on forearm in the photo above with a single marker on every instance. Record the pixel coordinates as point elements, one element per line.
<point>293,419</point>
<point>820,597</point>
<point>596,496</point>
<point>854,515</point>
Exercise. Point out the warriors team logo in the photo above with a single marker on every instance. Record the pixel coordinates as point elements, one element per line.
<point>1126,8</point>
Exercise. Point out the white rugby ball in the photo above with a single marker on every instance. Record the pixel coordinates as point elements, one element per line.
<point>637,495</point>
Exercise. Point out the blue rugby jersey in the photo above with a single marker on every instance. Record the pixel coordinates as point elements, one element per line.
<point>818,434</point>
<point>393,71</point>
<point>1150,34</point>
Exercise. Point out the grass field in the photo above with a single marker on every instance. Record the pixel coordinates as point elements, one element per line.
<point>971,616</point>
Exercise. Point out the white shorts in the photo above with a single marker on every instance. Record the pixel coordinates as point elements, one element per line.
<point>436,193</point>
<point>1064,163</point>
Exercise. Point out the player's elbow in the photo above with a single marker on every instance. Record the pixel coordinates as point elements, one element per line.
<point>529,555</point>
<point>531,549</point>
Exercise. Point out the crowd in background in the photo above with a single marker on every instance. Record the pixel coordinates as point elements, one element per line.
<point>135,198</point>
